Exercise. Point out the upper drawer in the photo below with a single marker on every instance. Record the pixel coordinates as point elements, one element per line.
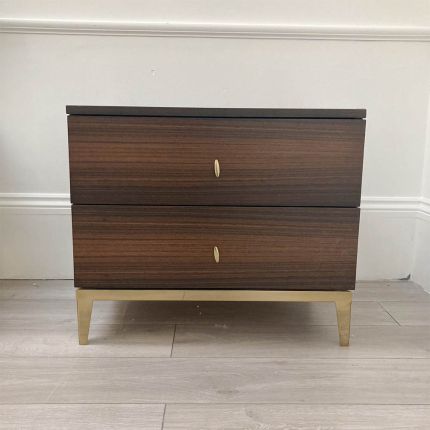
<point>171,161</point>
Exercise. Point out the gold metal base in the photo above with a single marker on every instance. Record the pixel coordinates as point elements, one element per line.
<point>342,299</point>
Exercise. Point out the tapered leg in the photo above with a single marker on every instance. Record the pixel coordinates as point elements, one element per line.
<point>84,306</point>
<point>342,299</point>
<point>343,312</point>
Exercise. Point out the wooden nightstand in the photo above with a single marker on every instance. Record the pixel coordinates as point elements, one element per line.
<point>215,204</point>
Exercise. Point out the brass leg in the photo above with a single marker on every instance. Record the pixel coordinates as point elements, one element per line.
<point>343,312</point>
<point>84,304</point>
<point>342,299</point>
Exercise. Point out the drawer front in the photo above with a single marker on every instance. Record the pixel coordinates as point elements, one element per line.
<point>171,161</point>
<point>174,247</point>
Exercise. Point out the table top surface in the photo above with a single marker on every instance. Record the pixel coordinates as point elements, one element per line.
<point>216,112</point>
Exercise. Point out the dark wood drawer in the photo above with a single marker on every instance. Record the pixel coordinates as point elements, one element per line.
<point>173,247</point>
<point>170,161</point>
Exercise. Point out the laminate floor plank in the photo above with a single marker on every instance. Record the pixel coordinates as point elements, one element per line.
<point>107,340</point>
<point>147,340</point>
<point>51,313</point>
<point>78,416</point>
<point>407,313</point>
<point>396,291</point>
<point>30,380</point>
<point>300,341</point>
<point>221,380</point>
<point>383,381</point>
<point>296,417</point>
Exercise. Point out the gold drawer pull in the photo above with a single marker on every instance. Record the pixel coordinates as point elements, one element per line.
<point>216,254</point>
<point>217,168</point>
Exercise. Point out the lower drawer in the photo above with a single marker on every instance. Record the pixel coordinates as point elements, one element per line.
<point>215,247</point>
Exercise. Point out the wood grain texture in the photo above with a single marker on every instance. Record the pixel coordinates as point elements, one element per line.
<point>407,313</point>
<point>170,161</point>
<point>228,380</point>
<point>296,417</point>
<point>28,380</point>
<point>88,417</point>
<point>259,339</point>
<point>215,112</point>
<point>49,314</point>
<point>172,247</point>
<point>300,341</point>
<point>220,380</point>
<point>107,340</point>
<point>393,291</point>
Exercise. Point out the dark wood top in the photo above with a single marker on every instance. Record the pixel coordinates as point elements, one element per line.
<point>217,112</point>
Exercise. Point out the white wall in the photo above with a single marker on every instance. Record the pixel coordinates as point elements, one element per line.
<point>309,12</point>
<point>243,55</point>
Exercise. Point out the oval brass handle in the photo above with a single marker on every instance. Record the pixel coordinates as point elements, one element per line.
<point>216,254</point>
<point>217,168</point>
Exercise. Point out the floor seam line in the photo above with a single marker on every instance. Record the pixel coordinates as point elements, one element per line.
<point>382,306</point>
<point>218,403</point>
<point>164,415</point>
<point>297,358</point>
<point>173,341</point>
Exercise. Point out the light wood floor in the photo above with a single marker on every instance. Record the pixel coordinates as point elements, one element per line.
<point>214,366</point>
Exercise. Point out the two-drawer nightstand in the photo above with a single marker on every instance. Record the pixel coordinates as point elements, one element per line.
<point>215,204</point>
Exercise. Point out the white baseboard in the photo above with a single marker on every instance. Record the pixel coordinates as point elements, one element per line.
<point>35,203</point>
<point>44,202</point>
<point>396,204</point>
<point>37,237</point>
<point>218,30</point>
